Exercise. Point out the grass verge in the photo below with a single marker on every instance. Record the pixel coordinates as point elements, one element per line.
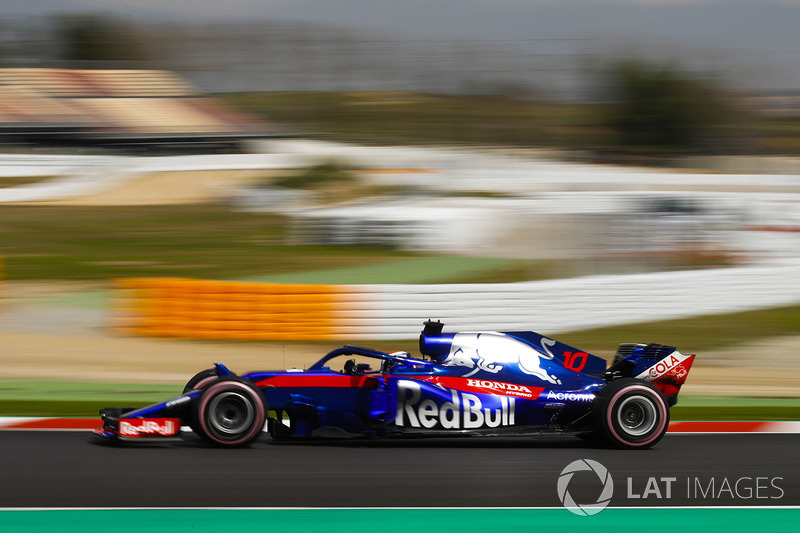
<point>404,117</point>
<point>21,181</point>
<point>66,398</point>
<point>382,117</point>
<point>69,243</point>
<point>203,241</point>
<point>211,241</point>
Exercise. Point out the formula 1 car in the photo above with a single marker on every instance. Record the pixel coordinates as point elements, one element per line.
<point>471,383</point>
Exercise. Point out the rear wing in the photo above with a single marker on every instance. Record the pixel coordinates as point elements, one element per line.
<point>663,366</point>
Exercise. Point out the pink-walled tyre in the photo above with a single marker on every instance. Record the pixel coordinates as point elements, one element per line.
<point>230,412</point>
<point>198,381</point>
<point>201,379</point>
<point>631,413</point>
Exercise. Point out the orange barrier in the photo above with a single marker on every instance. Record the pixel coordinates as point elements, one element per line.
<point>204,309</point>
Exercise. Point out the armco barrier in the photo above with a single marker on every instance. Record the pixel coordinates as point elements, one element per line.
<point>265,311</point>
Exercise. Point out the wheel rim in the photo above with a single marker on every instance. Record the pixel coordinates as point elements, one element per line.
<point>230,414</point>
<point>637,415</point>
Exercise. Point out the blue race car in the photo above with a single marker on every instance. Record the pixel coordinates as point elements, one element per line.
<point>470,383</point>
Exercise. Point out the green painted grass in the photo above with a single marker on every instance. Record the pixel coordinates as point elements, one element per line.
<point>657,520</point>
<point>66,391</point>
<point>63,398</point>
<point>87,299</point>
<point>64,408</point>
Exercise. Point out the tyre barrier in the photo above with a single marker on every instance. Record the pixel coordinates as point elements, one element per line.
<point>204,309</point>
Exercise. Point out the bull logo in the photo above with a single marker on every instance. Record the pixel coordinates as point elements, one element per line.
<point>491,352</point>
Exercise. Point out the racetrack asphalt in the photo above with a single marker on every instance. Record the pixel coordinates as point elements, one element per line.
<point>71,469</point>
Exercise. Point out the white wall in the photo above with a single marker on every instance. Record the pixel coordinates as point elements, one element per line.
<point>552,306</point>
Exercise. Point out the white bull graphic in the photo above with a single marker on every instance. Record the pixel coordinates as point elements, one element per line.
<point>490,352</point>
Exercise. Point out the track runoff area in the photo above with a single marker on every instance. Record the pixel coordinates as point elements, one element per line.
<point>703,476</point>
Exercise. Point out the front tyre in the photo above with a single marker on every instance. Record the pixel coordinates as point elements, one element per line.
<point>230,412</point>
<point>201,379</point>
<point>631,413</point>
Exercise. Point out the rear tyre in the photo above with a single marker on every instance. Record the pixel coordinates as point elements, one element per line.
<point>230,412</point>
<point>631,413</point>
<point>200,379</point>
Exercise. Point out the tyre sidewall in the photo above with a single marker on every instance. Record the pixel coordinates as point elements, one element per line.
<point>247,391</point>
<point>201,379</point>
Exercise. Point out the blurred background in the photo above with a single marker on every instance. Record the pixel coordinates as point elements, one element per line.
<point>259,184</point>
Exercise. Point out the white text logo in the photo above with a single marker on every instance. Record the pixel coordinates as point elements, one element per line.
<point>570,396</point>
<point>464,411</point>
<point>134,428</point>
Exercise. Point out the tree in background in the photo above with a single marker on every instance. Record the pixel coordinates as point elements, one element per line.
<point>97,38</point>
<point>658,108</point>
